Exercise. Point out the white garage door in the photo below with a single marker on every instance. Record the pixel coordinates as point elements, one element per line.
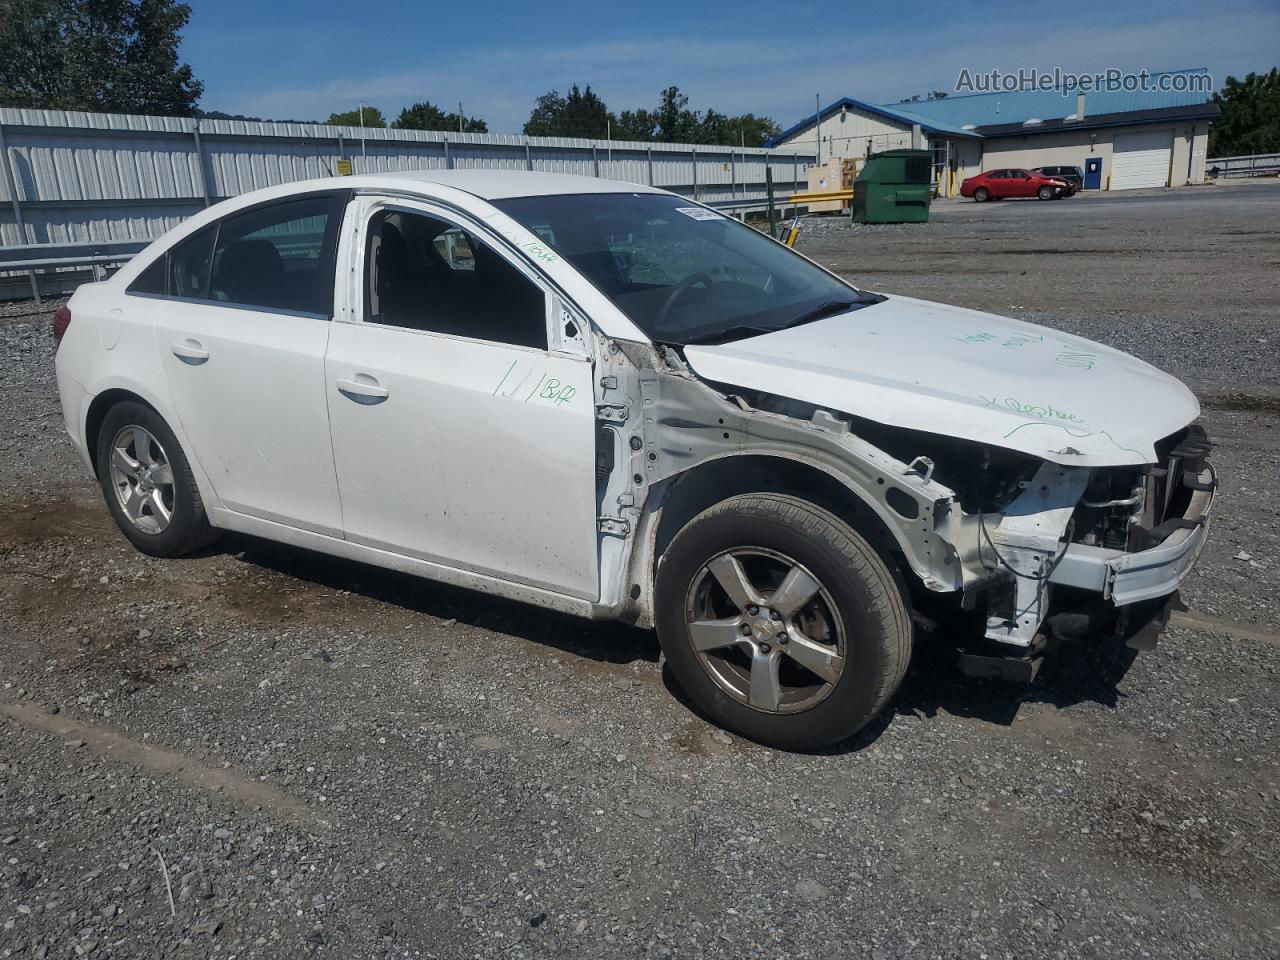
<point>1141,159</point>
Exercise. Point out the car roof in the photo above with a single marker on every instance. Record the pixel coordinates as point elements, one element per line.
<point>498,184</point>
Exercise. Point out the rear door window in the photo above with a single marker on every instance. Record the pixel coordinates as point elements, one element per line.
<point>277,257</point>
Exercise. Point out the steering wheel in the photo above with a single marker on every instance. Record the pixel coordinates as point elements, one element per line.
<point>678,291</point>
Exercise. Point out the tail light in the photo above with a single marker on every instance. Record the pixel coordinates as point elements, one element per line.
<point>61,320</point>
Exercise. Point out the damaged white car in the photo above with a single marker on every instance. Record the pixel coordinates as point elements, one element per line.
<point>609,400</point>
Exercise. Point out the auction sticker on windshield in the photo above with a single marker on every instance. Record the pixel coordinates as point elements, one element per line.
<point>698,213</point>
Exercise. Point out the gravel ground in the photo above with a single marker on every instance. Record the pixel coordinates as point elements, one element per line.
<point>261,752</point>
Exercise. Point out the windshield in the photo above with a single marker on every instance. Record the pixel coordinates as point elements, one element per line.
<point>683,273</point>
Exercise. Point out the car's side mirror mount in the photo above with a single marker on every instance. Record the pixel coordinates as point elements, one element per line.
<point>569,330</point>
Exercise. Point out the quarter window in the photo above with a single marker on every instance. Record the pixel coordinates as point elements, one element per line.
<point>424,273</point>
<point>189,265</point>
<point>152,279</point>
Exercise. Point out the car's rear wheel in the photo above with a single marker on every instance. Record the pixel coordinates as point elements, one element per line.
<point>148,484</point>
<point>1046,193</point>
<point>982,195</point>
<point>780,622</point>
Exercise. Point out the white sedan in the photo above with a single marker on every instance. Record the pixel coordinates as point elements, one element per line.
<point>610,400</point>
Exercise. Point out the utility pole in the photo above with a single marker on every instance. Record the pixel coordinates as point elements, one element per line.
<point>362,149</point>
<point>459,116</point>
<point>817,135</point>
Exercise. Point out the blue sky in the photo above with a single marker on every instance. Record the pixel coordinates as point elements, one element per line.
<point>293,59</point>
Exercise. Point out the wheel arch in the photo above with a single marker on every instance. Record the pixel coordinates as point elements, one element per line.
<point>111,394</point>
<point>706,484</point>
<point>97,412</point>
<point>690,492</point>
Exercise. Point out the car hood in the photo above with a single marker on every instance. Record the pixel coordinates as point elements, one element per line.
<point>947,370</point>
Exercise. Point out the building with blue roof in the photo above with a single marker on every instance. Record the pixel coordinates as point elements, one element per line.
<point>1124,131</point>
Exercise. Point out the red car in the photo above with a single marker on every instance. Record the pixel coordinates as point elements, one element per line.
<point>998,184</point>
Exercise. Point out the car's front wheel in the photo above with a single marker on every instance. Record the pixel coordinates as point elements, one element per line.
<point>148,484</point>
<point>781,622</point>
<point>1046,193</point>
<point>982,195</point>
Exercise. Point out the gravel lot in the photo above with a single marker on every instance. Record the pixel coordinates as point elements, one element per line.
<point>265,753</point>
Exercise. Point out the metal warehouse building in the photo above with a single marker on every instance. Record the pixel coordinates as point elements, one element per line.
<point>1121,139</point>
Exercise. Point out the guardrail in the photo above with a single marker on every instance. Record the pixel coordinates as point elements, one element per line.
<point>1255,165</point>
<point>97,256</point>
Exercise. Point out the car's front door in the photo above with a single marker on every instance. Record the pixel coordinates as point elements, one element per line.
<point>459,436</point>
<point>1021,184</point>
<point>241,329</point>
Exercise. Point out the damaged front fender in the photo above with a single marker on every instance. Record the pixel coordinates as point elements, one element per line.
<point>667,422</point>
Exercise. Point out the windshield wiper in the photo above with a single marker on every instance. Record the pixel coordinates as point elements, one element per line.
<point>731,333</point>
<point>829,309</point>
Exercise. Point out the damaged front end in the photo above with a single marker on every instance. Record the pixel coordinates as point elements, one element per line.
<point>1065,553</point>
<point>1036,550</point>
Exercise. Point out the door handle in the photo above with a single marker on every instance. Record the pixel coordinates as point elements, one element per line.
<point>191,352</point>
<point>362,388</point>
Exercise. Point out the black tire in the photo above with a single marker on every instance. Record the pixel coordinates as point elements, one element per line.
<point>867,599</point>
<point>981,195</point>
<point>1046,193</point>
<point>187,528</point>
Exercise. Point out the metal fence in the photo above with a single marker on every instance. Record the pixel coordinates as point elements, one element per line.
<point>82,178</point>
<point>1257,165</point>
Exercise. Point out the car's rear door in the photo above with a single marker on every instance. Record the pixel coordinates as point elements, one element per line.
<point>998,183</point>
<point>241,330</point>
<point>459,436</point>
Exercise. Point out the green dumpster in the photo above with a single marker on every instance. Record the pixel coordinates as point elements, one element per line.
<point>894,187</point>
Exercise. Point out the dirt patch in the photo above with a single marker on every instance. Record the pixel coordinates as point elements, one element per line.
<point>38,521</point>
<point>1192,620</point>
<point>1241,401</point>
<point>1079,252</point>
<point>161,761</point>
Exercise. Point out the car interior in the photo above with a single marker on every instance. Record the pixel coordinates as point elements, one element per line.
<point>426,274</point>
<point>272,258</point>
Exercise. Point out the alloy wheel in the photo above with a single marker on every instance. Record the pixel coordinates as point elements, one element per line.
<point>766,630</point>
<point>142,478</point>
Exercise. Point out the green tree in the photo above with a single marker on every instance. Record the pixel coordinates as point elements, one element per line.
<point>636,125</point>
<point>673,122</point>
<point>579,113</point>
<point>427,116</point>
<point>748,130</point>
<point>114,56</point>
<point>372,118</point>
<point>676,122</point>
<point>1250,121</point>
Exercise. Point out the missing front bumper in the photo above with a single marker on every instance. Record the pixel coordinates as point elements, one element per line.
<point>1129,578</point>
